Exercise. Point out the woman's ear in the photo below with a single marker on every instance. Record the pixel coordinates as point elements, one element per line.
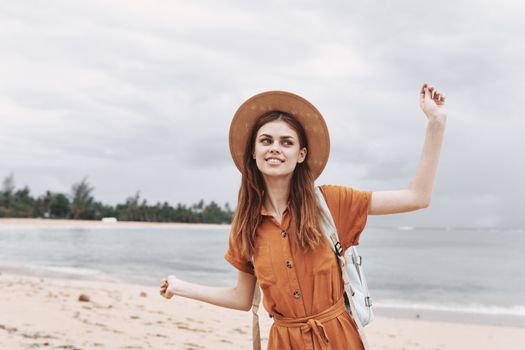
<point>302,155</point>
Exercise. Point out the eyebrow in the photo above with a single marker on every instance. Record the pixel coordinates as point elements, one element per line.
<point>270,136</point>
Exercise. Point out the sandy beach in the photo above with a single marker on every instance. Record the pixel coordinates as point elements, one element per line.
<point>42,312</point>
<point>47,313</point>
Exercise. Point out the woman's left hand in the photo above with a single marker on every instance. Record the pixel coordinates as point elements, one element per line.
<point>432,102</point>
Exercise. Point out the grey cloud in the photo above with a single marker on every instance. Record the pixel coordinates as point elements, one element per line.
<point>140,96</point>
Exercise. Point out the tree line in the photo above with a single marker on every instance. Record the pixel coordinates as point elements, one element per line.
<point>80,204</point>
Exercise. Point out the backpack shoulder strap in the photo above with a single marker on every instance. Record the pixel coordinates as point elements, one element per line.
<point>256,301</point>
<point>329,225</point>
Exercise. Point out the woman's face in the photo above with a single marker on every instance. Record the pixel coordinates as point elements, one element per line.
<point>277,150</point>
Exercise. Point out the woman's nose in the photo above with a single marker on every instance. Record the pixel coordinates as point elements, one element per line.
<point>275,147</point>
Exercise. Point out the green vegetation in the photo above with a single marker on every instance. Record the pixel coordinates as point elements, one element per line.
<point>80,204</point>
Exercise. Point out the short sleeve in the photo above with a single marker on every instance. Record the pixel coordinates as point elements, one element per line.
<point>349,209</point>
<point>234,257</point>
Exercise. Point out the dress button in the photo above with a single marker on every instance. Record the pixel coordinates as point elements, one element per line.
<point>289,264</point>
<point>283,234</point>
<point>296,294</point>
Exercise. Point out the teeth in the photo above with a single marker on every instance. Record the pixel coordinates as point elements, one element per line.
<point>273,160</point>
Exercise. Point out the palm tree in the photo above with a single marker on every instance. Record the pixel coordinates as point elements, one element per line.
<point>82,201</point>
<point>8,190</point>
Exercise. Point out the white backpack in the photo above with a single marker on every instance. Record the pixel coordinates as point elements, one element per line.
<point>357,298</point>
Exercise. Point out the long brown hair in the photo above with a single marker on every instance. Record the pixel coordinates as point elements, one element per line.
<point>304,209</point>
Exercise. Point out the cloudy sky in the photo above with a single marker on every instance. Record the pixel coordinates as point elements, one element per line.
<point>138,96</point>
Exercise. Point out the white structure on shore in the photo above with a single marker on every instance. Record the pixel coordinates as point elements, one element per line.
<point>109,220</point>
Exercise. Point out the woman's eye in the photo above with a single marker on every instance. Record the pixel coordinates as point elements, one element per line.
<point>288,143</point>
<point>266,141</point>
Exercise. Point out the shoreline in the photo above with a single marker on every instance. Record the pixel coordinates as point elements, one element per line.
<point>13,223</point>
<point>124,315</point>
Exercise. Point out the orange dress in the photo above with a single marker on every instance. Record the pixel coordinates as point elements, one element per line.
<point>297,284</point>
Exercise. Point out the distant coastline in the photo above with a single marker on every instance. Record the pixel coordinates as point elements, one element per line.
<point>66,223</point>
<point>77,223</point>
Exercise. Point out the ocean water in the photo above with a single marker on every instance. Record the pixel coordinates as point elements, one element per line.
<point>473,272</point>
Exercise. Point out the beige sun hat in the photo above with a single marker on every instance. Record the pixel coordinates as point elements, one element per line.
<point>309,117</point>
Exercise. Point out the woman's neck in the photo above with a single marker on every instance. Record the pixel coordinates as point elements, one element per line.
<point>276,196</point>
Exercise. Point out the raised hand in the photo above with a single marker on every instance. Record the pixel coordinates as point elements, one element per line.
<point>432,102</point>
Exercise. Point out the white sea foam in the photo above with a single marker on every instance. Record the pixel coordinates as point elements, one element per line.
<point>67,270</point>
<point>513,310</point>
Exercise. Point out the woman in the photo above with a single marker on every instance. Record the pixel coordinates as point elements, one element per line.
<point>280,143</point>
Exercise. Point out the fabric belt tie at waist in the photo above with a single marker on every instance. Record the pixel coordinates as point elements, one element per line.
<point>313,323</point>
<point>318,329</point>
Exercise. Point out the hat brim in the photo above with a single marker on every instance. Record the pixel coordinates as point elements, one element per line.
<point>306,113</point>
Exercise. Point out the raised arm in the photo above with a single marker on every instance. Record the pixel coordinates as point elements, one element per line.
<point>417,194</point>
<point>239,298</point>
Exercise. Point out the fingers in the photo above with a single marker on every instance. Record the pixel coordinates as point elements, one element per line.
<point>422,91</point>
<point>431,92</point>
<point>163,286</point>
<point>438,96</point>
<point>428,88</point>
<point>426,92</point>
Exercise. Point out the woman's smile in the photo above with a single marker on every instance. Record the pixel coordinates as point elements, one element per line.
<point>274,161</point>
